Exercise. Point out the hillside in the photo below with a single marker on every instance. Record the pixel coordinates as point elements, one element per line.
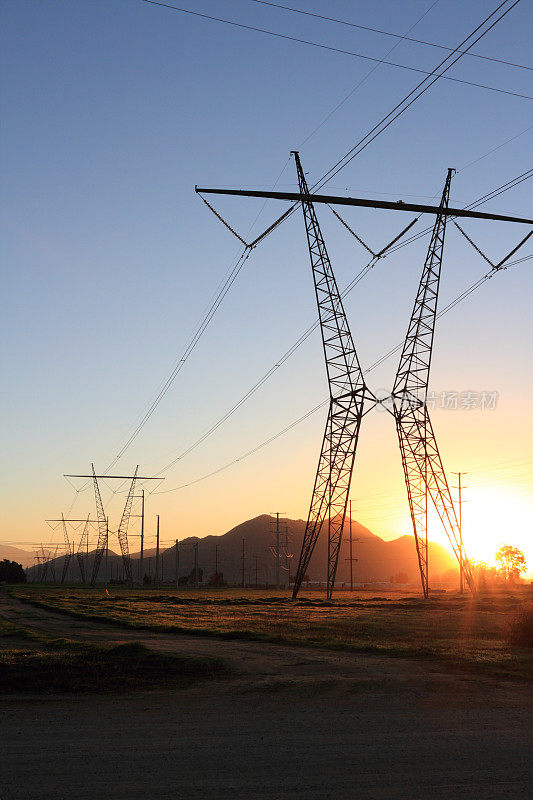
<point>24,557</point>
<point>377,559</point>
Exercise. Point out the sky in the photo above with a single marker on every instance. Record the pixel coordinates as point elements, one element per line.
<point>112,113</point>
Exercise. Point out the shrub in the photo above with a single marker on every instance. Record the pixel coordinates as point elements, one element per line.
<point>520,628</point>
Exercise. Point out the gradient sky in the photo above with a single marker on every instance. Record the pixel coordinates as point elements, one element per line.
<point>112,111</point>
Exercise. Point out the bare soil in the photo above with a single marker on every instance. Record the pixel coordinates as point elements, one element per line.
<point>287,722</point>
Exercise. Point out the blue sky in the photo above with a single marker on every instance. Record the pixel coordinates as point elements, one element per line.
<point>112,112</point>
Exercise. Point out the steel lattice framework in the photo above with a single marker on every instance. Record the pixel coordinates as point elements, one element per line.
<point>347,390</point>
<point>422,465</point>
<point>103,528</point>
<point>83,547</point>
<point>123,530</point>
<point>68,550</point>
<point>424,474</point>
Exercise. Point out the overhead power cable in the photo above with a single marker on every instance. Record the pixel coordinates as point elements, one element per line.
<point>364,79</point>
<point>400,108</point>
<point>186,353</point>
<point>280,361</point>
<point>337,167</point>
<point>469,290</point>
<point>340,50</point>
<point>390,248</point>
<point>388,33</point>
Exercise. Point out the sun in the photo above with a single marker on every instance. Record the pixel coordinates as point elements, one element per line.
<point>492,518</point>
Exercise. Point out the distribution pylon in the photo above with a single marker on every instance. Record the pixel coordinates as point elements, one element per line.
<point>348,391</point>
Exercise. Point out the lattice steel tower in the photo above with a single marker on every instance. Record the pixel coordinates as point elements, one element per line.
<point>347,390</point>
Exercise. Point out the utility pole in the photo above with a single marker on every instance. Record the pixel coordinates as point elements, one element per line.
<point>141,559</point>
<point>177,563</point>
<point>277,549</point>
<point>243,563</point>
<point>216,565</point>
<point>256,583</point>
<point>351,559</point>
<point>157,554</point>
<point>196,569</point>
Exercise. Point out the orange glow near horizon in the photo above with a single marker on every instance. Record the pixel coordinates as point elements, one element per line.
<point>492,517</point>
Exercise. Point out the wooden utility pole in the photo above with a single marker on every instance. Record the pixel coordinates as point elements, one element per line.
<point>216,565</point>
<point>243,563</point>
<point>196,568</point>
<point>256,583</point>
<point>157,554</point>
<point>141,559</point>
<point>351,540</point>
<point>177,563</point>
<point>277,550</point>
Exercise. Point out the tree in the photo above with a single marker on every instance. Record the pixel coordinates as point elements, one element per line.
<point>11,572</point>
<point>512,562</point>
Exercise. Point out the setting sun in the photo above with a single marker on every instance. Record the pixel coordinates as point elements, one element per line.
<point>494,517</point>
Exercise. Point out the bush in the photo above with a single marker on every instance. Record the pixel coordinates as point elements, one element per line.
<point>520,629</point>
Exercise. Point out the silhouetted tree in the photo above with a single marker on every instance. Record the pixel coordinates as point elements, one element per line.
<point>512,561</point>
<point>11,572</point>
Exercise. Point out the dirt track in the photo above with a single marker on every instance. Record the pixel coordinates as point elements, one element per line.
<point>289,722</point>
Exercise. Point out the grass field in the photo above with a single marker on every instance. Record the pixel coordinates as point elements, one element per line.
<point>457,630</point>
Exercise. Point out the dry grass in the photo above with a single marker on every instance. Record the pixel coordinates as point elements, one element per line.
<point>463,633</point>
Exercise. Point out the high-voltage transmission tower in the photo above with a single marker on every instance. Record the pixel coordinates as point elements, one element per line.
<point>347,394</point>
<point>82,554</point>
<point>422,465</point>
<point>83,548</point>
<point>103,523</point>
<point>423,470</point>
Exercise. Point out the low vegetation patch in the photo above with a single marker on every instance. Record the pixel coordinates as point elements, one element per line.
<point>461,632</point>
<point>51,666</point>
<point>520,628</point>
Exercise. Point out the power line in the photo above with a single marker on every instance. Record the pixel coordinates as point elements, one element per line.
<point>338,49</point>
<point>363,79</point>
<point>334,170</point>
<point>388,33</point>
<point>394,114</point>
<point>415,94</point>
<point>493,150</point>
<point>280,361</point>
<point>320,405</point>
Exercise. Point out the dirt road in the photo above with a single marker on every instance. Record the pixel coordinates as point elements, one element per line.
<point>289,722</point>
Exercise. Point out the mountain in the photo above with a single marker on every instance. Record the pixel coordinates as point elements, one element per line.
<point>24,557</point>
<point>377,559</point>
